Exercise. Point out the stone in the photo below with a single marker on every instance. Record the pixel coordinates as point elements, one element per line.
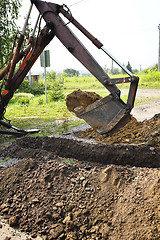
<point>13,221</point>
<point>56,231</point>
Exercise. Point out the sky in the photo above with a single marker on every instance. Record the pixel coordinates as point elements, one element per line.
<point>128,29</point>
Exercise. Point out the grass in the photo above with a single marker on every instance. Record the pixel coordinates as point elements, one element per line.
<point>4,160</point>
<point>51,110</point>
<point>36,113</point>
<point>68,161</point>
<point>149,80</point>
<point>43,117</point>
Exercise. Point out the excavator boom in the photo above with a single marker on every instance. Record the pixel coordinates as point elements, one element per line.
<point>107,114</point>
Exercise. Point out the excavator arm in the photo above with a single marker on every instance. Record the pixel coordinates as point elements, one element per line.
<point>107,114</point>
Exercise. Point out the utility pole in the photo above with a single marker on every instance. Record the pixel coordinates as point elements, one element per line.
<point>159,50</point>
<point>45,62</point>
<point>30,77</point>
<point>112,67</point>
<point>45,65</point>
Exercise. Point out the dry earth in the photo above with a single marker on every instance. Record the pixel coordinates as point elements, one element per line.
<point>70,188</point>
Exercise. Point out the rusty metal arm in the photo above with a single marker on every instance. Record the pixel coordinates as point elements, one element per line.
<point>132,79</point>
<point>44,38</point>
<point>50,13</point>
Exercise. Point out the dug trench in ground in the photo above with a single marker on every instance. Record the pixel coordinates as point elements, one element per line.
<point>113,192</point>
<point>63,198</point>
<point>136,144</point>
<point>81,150</point>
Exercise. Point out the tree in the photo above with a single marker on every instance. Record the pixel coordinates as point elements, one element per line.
<point>115,71</point>
<point>106,69</point>
<point>71,72</point>
<point>135,71</point>
<point>151,69</point>
<point>8,14</point>
<point>51,76</point>
<point>128,66</point>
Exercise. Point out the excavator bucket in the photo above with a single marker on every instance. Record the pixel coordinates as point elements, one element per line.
<point>106,115</point>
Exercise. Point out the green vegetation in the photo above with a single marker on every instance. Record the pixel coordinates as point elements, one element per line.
<point>150,80</point>
<point>4,160</point>
<point>8,14</point>
<point>68,161</point>
<point>71,72</point>
<point>22,98</point>
<point>28,108</point>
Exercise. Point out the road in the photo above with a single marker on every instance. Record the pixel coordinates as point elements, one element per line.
<point>145,111</point>
<point>148,110</point>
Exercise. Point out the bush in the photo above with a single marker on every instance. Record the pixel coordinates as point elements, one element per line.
<point>56,92</point>
<point>22,98</point>
<point>40,101</point>
<point>36,88</point>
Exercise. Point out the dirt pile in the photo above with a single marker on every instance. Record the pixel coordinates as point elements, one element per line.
<point>133,132</point>
<point>55,192</point>
<point>78,100</point>
<point>62,198</point>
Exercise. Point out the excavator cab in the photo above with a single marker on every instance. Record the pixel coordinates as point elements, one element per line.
<point>105,115</point>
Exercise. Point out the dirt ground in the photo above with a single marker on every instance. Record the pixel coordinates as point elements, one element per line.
<point>82,185</point>
<point>134,132</point>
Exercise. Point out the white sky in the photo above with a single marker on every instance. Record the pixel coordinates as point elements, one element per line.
<point>127,28</point>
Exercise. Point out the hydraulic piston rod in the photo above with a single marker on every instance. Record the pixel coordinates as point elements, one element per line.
<point>115,60</point>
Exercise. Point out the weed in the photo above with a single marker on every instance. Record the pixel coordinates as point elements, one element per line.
<point>4,160</point>
<point>68,161</point>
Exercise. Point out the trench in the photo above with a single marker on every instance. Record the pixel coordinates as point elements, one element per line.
<point>82,150</point>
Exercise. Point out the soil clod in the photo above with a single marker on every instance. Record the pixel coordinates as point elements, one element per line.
<point>78,100</point>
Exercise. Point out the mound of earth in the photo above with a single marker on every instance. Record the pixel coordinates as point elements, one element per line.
<point>62,198</point>
<point>79,100</point>
<point>134,132</point>
<point>62,188</point>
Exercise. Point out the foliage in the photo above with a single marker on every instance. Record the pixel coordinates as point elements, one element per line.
<point>114,71</point>
<point>22,98</point>
<point>71,72</point>
<point>149,79</point>
<point>56,92</point>
<point>8,14</point>
<point>135,71</point>
<point>128,66</point>
<point>54,87</point>
<point>36,88</point>
<point>51,76</point>
<point>81,82</point>
<point>106,69</point>
<point>150,69</point>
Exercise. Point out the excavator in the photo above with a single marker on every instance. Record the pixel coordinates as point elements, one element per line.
<point>107,114</point>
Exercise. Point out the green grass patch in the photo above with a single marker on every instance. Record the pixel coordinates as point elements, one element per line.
<point>147,80</point>
<point>68,161</point>
<point>4,160</point>
<point>27,111</point>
